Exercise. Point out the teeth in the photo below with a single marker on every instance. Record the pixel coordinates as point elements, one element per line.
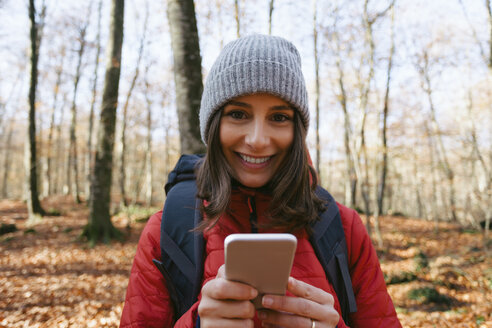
<point>254,160</point>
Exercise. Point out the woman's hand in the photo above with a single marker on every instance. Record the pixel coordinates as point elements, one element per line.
<point>310,305</point>
<point>226,303</point>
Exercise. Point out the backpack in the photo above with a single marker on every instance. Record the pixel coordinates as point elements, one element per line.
<point>182,250</point>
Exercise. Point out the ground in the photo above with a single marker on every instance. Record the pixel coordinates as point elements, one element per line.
<point>48,278</point>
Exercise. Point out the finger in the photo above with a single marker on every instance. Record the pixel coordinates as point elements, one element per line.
<point>220,288</point>
<point>221,272</point>
<point>269,325</point>
<point>227,323</point>
<point>285,320</point>
<point>294,305</point>
<point>226,309</point>
<point>307,291</point>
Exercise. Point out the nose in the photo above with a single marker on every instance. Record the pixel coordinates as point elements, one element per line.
<point>257,136</point>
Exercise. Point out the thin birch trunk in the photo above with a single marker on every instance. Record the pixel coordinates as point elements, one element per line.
<point>384,169</point>
<point>7,161</point>
<point>148,150</point>
<point>483,195</point>
<point>270,15</point>
<point>49,161</point>
<point>122,160</point>
<point>351,180</point>
<point>443,158</point>
<point>89,156</point>
<point>59,168</point>
<point>72,154</point>
<point>237,15</point>
<point>435,210</point>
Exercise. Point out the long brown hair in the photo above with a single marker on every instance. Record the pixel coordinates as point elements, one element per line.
<point>294,204</point>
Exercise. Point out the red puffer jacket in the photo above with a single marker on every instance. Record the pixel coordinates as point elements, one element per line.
<point>147,302</point>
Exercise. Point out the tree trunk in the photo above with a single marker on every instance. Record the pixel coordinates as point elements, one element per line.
<point>317,89</point>
<point>58,178</point>
<point>434,207</point>
<point>123,201</point>
<point>351,179</point>
<point>445,164</point>
<point>49,161</point>
<point>484,194</point>
<point>89,156</point>
<point>487,59</point>
<point>6,162</point>
<point>384,164</point>
<point>270,15</point>
<point>364,89</point>
<point>443,158</point>
<point>99,227</point>
<point>33,203</point>
<point>72,154</point>
<point>187,73</point>
<point>237,16</point>
<point>148,151</point>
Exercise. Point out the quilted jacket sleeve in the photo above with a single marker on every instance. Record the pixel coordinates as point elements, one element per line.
<point>147,302</point>
<point>374,305</point>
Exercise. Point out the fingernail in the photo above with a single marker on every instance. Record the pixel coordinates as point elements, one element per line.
<point>267,300</point>
<point>254,293</point>
<point>292,281</point>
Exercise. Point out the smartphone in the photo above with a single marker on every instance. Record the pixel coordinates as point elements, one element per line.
<point>262,260</point>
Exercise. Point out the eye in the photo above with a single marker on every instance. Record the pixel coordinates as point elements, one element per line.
<point>280,117</point>
<point>236,114</point>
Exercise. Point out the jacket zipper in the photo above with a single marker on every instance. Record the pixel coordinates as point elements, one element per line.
<point>253,218</point>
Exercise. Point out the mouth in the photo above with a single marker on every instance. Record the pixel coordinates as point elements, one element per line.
<point>254,160</point>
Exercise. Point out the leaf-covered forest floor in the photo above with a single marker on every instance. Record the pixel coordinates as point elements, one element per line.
<point>50,279</point>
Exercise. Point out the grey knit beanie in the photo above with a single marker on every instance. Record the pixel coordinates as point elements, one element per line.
<point>253,64</point>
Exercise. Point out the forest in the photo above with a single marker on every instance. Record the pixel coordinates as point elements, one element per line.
<point>98,99</point>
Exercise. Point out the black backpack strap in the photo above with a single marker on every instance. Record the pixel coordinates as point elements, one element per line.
<point>330,246</point>
<point>181,248</point>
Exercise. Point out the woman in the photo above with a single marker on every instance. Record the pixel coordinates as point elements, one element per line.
<point>256,177</point>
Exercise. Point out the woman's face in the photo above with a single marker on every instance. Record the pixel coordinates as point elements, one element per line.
<point>256,132</point>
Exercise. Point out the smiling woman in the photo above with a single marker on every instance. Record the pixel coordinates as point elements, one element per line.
<point>256,133</point>
<point>256,177</point>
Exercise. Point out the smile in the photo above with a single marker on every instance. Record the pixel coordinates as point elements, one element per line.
<point>254,160</point>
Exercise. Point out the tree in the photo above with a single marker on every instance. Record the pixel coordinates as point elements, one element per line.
<point>6,162</point>
<point>381,185</point>
<point>89,156</point>
<point>148,143</point>
<point>123,201</point>
<point>270,14</point>
<point>100,227</point>
<point>237,15</point>
<point>423,67</point>
<point>187,72</point>
<point>49,157</point>
<point>33,203</point>
<point>488,5</point>
<point>72,153</point>
<point>351,180</point>
<point>365,88</point>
